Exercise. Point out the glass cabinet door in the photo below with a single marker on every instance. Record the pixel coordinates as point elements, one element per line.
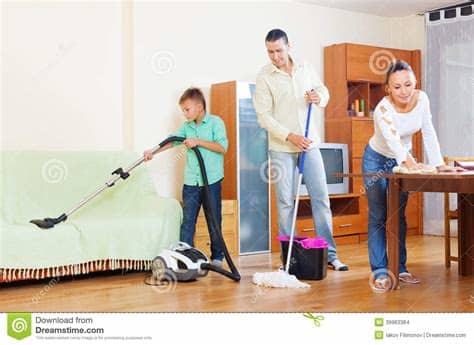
<point>253,190</point>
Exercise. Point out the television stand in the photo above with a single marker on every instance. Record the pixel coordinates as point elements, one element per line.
<point>348,227</point>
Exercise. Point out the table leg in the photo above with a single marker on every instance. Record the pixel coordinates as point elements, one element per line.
<point>466,234</point>
<point>393,227</point>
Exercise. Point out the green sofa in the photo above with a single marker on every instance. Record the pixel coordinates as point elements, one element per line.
<point>123,228</point>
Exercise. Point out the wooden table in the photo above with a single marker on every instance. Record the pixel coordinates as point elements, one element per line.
<point>460,183</point>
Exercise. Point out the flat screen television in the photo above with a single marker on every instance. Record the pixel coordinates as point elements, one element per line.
<point>335,160</point>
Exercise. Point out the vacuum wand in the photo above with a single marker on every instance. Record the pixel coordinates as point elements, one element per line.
<point>119,173</point>
<point>48,223</point>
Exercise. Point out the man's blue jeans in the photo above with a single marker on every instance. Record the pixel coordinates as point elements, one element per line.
<point>193,197</point>
<point>285,172</point>
<point>376,190</point>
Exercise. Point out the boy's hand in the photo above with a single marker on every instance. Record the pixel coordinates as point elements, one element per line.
<point>148,155</point>
<point>191,142</point>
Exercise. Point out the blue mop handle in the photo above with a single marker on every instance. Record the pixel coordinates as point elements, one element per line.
<point>303,156</point>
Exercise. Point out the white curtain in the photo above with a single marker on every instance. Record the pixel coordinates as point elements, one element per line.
<point>449,80</point>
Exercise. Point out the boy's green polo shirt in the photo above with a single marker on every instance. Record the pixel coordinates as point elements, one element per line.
<point>211,128</point>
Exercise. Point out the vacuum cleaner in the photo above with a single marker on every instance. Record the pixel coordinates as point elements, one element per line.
<point>182,261</point>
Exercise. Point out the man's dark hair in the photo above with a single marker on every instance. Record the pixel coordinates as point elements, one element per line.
<point>275,35</point>
<point>195,94</point>
<point>395,66</point>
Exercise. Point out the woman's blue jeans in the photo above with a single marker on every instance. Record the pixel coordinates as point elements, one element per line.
<point>376,191</point>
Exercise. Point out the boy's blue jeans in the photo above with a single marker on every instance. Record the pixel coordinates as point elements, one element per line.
<point>376,190</point>
<point>193,198</point>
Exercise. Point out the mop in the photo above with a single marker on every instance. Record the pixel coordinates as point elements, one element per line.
<point>282,278</point>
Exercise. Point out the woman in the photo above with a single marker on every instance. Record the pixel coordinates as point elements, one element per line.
<point>396,118</point>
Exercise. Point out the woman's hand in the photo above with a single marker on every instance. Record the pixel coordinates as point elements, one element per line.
<point>410,163</point>
<point>422,166</point>
<point>448,168</point>
<point>299,141</point>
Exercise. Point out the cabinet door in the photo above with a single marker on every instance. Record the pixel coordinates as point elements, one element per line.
<point>347,225</point>
<point>357,182</point>
<point>229,229</point>
<point>367,63</point>
<point>360,66</point>
<point>362,131</point>
<point>253,176</point>
<point>305,227</point>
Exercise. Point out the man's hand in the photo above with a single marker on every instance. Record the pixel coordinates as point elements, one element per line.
<point>299,141</point>
<point>312,97</point>
<point>191,142</point>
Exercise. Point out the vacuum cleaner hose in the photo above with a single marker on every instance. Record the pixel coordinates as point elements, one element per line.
<point>234,273</point>
<point>48,223</point>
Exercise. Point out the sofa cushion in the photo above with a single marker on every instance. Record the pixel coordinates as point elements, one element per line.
<point>126,221</point>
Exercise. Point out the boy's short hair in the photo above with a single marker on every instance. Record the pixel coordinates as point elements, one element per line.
<point>195,94</point>
<point>275,34</point>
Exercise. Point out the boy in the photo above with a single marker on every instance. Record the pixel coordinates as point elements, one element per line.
<point>208,132</point>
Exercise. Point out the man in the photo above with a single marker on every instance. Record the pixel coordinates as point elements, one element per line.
<point>283,91</point>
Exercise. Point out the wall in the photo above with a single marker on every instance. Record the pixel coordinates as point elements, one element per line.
<point>178,45</point>
<point>70,82</point>
<point>61,75</point>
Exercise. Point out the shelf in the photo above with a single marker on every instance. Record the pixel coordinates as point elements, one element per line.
<point>358,91</point>
<point>341,204</point>
<point>334,196</point>
<point>344,196</point>
<point>361,118</point>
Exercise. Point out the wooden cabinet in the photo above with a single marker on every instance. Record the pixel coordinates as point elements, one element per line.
<point>352,72</point>
<point>229,229</point>
<point>346,221</point>
<point>245,163</point>
<point>366,63</point>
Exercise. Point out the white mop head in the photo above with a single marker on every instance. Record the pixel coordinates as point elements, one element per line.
<point>279,279</point>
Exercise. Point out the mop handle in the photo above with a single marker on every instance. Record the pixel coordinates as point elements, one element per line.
<point>297,197</point>
<point>306,131</point>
